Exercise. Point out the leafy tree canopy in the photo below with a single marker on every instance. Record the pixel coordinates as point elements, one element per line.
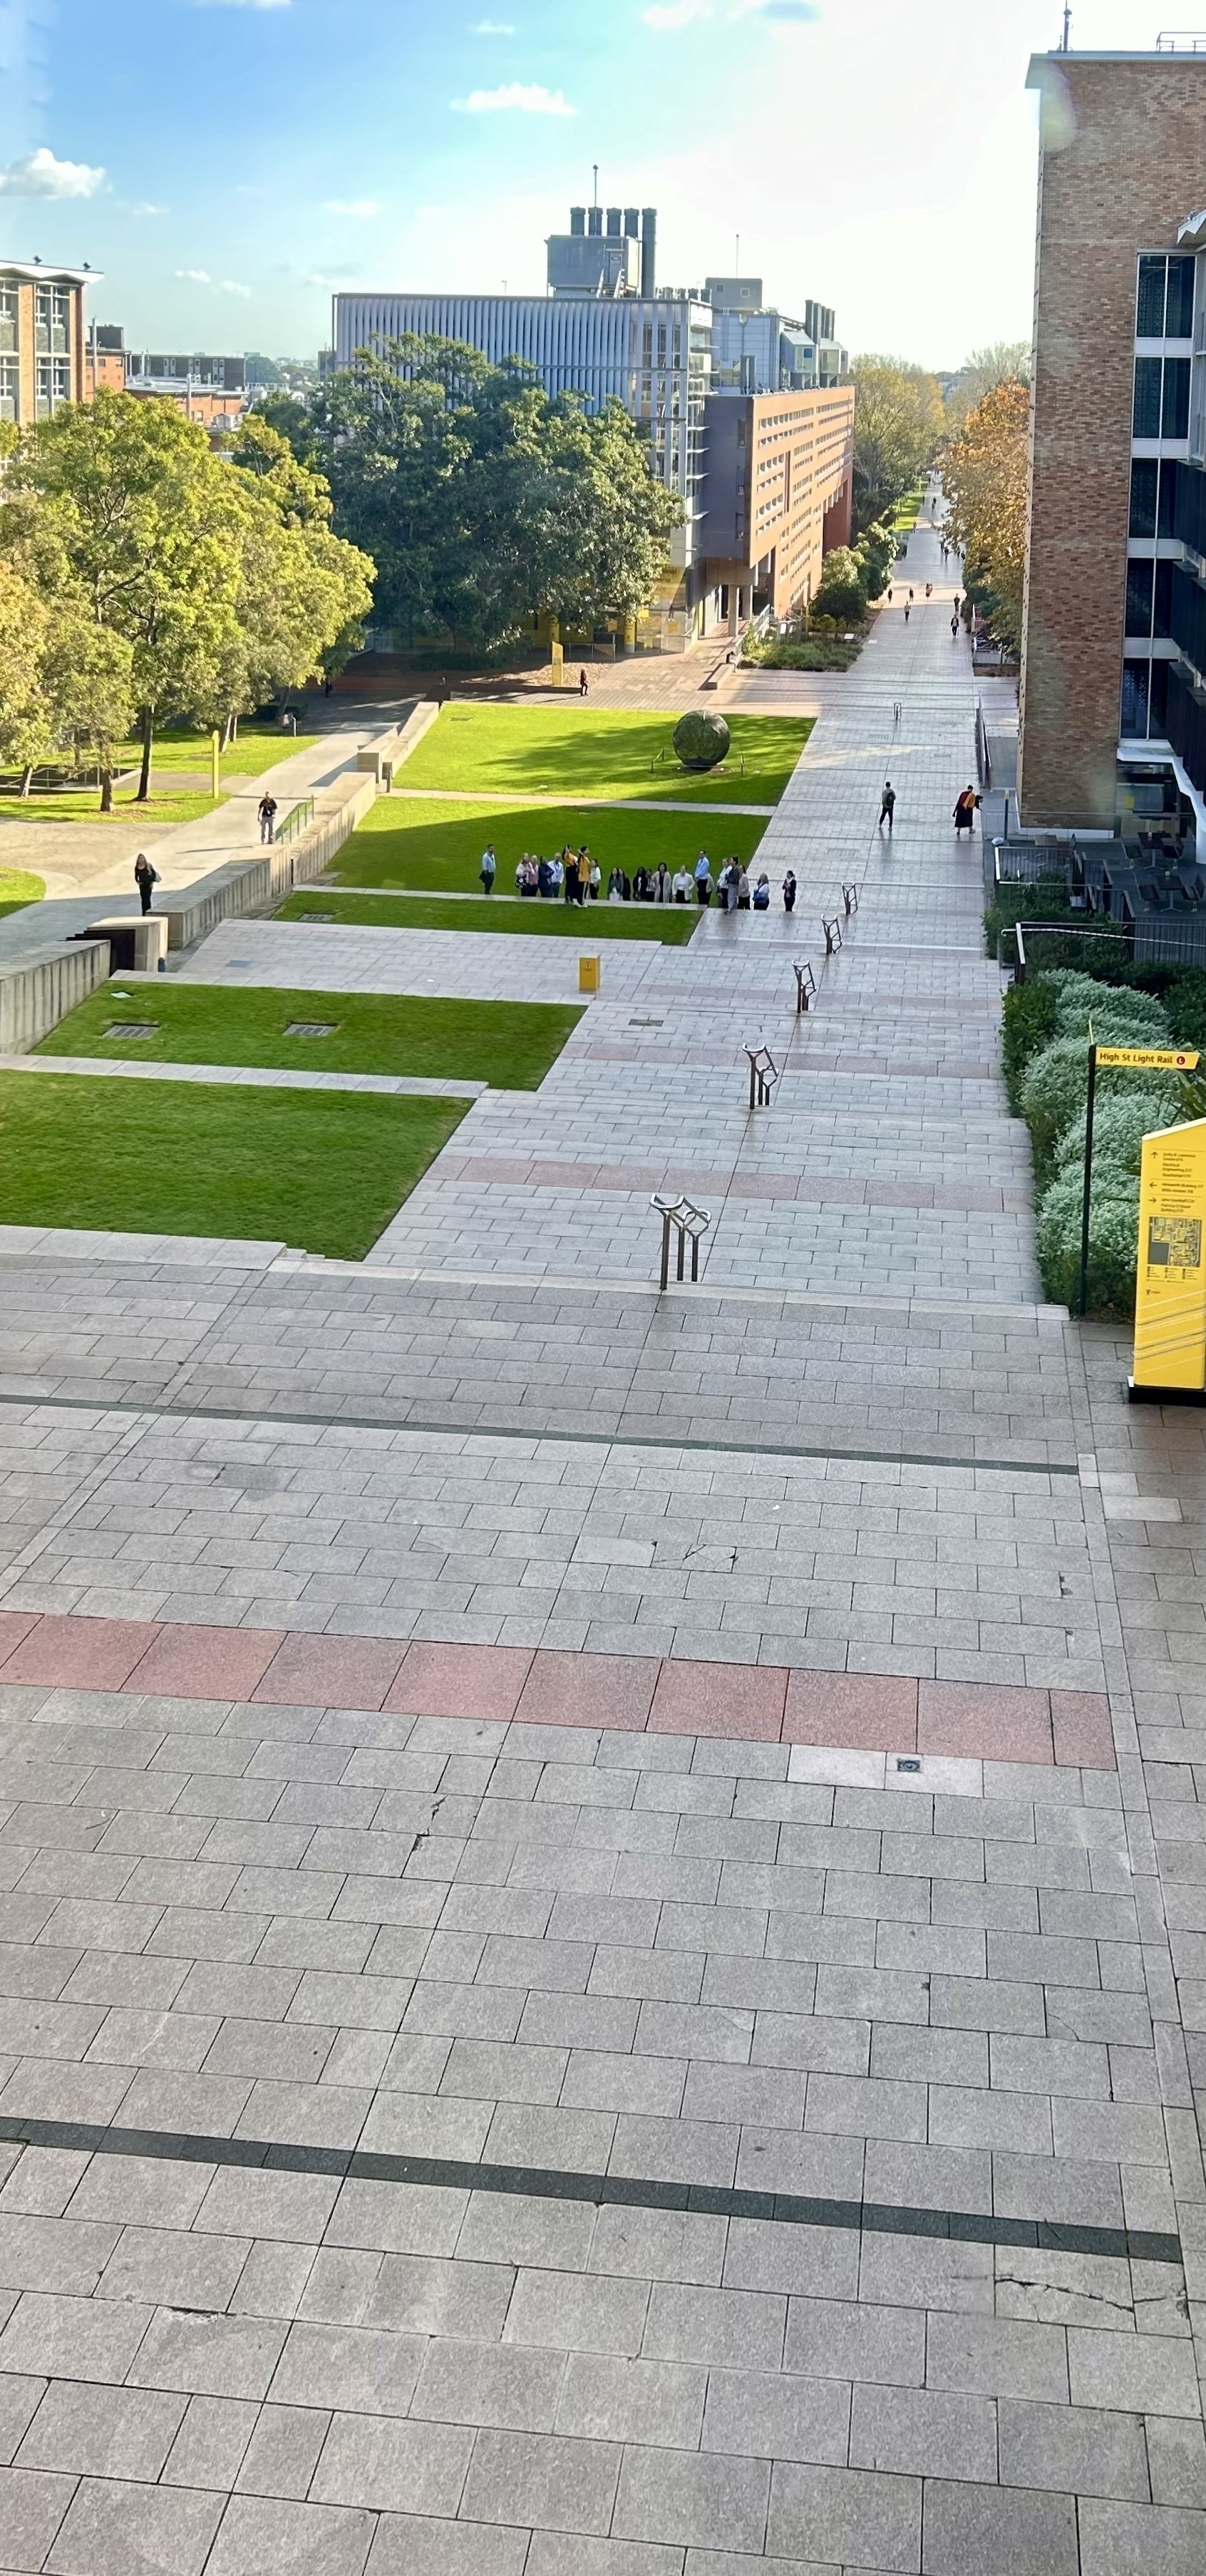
<point>479,497</point>
<point>984,478</point>
<point>898,422</point>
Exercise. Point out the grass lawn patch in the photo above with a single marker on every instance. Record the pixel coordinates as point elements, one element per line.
<point>323,1171</point>
<point>406,841</point>
<point>82,805</point>
<point>19,886</point>
<point>672,924</point>
<point>511,1044</point>
<point>580,750</point>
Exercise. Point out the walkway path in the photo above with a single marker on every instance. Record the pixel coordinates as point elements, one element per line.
<point>603,1973</point>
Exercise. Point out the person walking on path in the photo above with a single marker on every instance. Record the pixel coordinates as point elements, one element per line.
<point>743,887</point>
<point>703,879</point>
<point>583,683</point>
<point>145,876</point>
<point>488,868</point>
<point>267,816</point>
<point>965,810</point>
<point>887,805</point>
<point>907,606</point>
<point>789,891</point>
<point>955,628</point>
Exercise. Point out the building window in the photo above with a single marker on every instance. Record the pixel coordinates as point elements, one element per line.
<point>8,318</point>
<point>1139,598</point>
<point>1157,708</point>
<point>1146,421</point>
<point>1144,474</point>
<point>52,321</point>
<point>1174,418</point>
<point>1164,304</point>
<point>1162,599</point>
<point>53,386</point>
<point>1178,319</point>
<point>1135,682</point>
<point>8,388</point>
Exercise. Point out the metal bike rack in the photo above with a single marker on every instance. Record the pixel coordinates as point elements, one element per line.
<point>764,1074</point>
<point>691,1222</point>
<point>850,899</point>
<point>833,937</point>
<point>806,985</point>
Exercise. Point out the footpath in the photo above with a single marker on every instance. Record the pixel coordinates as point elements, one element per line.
<point>602,1963</point>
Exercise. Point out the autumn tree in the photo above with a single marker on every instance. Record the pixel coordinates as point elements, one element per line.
<point>898,422</point>
<point>984,478</point>
<point>1004,362</point>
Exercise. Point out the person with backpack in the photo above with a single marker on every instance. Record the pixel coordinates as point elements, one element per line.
<point>762,893</point>
<point>267,812</point>
<point>887,805</point>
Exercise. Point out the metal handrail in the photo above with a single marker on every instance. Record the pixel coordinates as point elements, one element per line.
<point>850,899</point>
<point>833,936</point>
<point>764,1074</point>
<point>691,1221</point>
<point>806,985</point>
<point>295,820</point>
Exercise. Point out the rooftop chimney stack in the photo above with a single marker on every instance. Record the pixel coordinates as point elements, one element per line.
<point>649,253</point>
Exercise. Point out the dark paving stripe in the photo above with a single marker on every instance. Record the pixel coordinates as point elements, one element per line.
<point>360,2164</point>
<point>511,1431</point>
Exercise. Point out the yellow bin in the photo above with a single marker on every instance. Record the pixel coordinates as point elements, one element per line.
<point>588,974</point>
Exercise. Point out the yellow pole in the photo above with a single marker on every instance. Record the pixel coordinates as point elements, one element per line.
<point>215,763</point>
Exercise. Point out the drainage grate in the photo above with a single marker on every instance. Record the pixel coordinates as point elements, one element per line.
<point>311,1028</point>
<point>314,916</point>
<point>646,1024</point>
<point>132,1029</point>
<point>908,1762</point>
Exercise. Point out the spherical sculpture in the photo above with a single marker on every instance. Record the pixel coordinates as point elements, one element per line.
<point>700,740</point>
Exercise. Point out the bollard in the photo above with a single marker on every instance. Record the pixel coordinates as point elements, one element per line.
<point>588,974</point>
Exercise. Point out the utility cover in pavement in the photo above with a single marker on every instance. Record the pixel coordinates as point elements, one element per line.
<point>132,1029</point>
<point>311,1028</point>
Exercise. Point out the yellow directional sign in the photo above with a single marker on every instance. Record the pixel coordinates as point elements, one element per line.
<point>1170,1302</point>
<point>1159,1059</point>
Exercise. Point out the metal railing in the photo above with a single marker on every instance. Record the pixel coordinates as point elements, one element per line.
<point>833,936</point>
<point>691,1222</point>
<point>806,985</point>
<point>764,1074</point>
<point>983,756</point>
<point>849,900</point>
<point>295,821</point>
<point>1180,40</point>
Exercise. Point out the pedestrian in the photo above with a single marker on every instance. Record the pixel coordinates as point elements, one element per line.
<point>661,883</point>
<point>571,884</point>
<point>583,684</point>
<point>889,594</point>
<point>703,879</point>
<point>546,883</point>
<point>615,886</point>
<point>594,876</point>
<point>743,888</point>
<point>640,885</point>
<point>887,805</point>
<point>965,810</point>
<point>488,869</point>
<point>955,629</point>
<point>789,891</point>
<point>145,876</point>
<point>958,604</point>
<point>328,686</point>
<point>906,612</point>
<point>910,598</point>
<point>762,893</point>
<point>682,885</point>
<point>897,712</point>
<point>929,590</point>
<point>267,816</point>
<point>527,875</point>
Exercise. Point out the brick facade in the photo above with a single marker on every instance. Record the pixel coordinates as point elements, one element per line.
<point>1123,162</point>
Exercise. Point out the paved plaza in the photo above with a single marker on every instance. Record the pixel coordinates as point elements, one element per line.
<point>602,1903</point>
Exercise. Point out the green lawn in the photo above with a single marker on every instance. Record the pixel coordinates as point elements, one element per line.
<point>580,750</point>
<point>587,923</point>
<point>258,747</point>
<point>19,886</point>
<point>323,1171</point>
<point>179,750</point>
<point>438,847</point>
<point>82,805</point>
<point>511,1044</point>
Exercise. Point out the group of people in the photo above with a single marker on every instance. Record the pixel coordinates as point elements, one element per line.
<point>575,877</point>
<point>966,808</point>
<point>570,874</point>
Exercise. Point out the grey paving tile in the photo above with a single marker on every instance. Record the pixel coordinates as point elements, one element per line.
<point>685,2497</point>
<point>207,2356</point>
<point>737,2329</point>
<point>399,2467</point>
<point>846,2517</point>
<point>977,2530</point>
<point>113,2528</point>
<point>102,2432</point>
<point>542,2479</point>
<point>352,2367</point>
<point>929,2432</point>
<point>211,2442</point>
<point>778,2415</point>
<point>1083,2450</point>
<point>609,2397</point>
<point>1133,2373</point>
<point>263,2536</point>
<point>424,2545</point>
<point>496,2384</point>
<point>843,2339</point>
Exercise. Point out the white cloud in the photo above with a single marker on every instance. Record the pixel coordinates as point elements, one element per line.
<point>220,285</point>
<point>351,206</point>
<point>492,27</point>
<point>194,276</point>
<point>666,15</point>
<point>142,206</point>
<point>40,175</point>
<point>231,286</point>
<point>527,98</point>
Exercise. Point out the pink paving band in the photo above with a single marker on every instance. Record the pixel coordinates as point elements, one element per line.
<point>760,1703</point>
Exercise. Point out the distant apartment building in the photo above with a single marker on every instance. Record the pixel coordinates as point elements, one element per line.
<point>758,350</point>
<point>604,329</point>
<point>211,390</point>
<point>1114,645</point>
<point>42,350</point>
<point>777,497</point>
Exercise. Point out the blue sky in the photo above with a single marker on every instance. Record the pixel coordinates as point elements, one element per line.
<point>226,163</point>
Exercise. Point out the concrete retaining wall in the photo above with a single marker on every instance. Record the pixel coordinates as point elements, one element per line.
<point>256,885</point>
<point>37,994</point>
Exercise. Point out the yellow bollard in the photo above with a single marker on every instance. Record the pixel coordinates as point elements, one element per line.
<point>588,974</point>
<point>215,764</point>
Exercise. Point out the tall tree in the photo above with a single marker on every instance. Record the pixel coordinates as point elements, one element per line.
<point>480,498</point>
<point>984,478</point>
<point>898,422</point>
<point>1004,362</point>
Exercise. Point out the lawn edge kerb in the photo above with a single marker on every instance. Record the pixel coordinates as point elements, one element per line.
<point>484,917</point>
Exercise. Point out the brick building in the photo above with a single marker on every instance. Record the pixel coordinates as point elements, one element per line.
<point>42,352</point>
<point>777,497</point>
<point>1116,480</point>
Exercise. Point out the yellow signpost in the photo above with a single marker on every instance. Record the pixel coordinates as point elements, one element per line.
<point>1138,1059</point>
<point>1170,1290</point>
<point>557,659</point>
